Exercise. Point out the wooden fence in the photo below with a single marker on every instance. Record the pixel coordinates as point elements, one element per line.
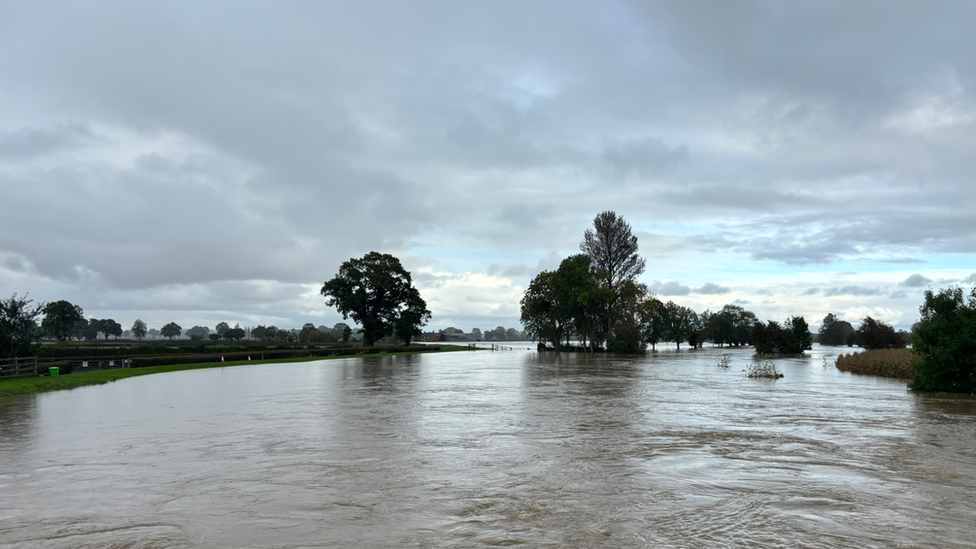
<point>18,367</point>
<point>31,366</point>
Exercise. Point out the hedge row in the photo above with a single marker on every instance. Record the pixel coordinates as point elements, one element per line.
<point>266,354</point>
<point>158,348</point>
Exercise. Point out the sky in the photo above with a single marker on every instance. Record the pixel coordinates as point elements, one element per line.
<point>201,162</point>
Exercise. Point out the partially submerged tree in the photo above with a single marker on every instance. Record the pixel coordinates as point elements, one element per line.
<point>612,249</point>
<point>376,291</point>
<point>944,340</point>
<point>834,331</point>
<point>877,334</point>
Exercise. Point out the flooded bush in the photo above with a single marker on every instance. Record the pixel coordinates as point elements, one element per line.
<point>895,363</point>
<point>764,369</point>
<point>724,361</point>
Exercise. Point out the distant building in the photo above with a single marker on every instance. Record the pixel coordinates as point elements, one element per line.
<point>432,336</point>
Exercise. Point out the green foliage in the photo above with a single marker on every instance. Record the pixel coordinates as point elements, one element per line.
<point>732,326</point>
<point>612,249</point>
<point>60,318</point>
<point>945,342</point>
<point>19,332</point>
<point>544,315</point>
<point>139,329</point>
<point>677,322</point>
<point>834,331</point>
<point>791,338</point>
<point>875,334</point>
<point>378,293</point>
<point>171,330</point>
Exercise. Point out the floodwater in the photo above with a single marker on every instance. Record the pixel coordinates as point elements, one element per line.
<point>481,449</point>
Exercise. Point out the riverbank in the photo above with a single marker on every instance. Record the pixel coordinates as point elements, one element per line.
<point>33,385</point>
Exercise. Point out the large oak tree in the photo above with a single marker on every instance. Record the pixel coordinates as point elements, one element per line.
<point>378,293</point>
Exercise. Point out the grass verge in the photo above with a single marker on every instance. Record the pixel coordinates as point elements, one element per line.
<point>895,363</point>
<point>32,385</point>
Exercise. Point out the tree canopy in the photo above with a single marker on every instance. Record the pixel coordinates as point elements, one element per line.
<point>139,329</point>
<point>171,330</point>
<point>378,293</point>
<point>944,340</point>
<point>19,332</point>
<point>60,318</point>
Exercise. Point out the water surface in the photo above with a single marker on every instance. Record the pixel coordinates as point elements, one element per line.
<point>483,449</point>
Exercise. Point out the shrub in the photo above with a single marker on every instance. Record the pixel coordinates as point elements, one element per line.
<point>945,342</point>
<point>764,369</point>
<point>897,363</point>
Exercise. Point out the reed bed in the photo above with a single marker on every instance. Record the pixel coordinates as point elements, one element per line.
<point>897,363</point>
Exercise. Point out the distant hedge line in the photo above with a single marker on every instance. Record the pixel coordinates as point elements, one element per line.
<point>271,354</point>
<point>160,348</point>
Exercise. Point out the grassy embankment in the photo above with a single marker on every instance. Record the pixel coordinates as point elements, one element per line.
<point>31,385</point>
<point>895,363</point>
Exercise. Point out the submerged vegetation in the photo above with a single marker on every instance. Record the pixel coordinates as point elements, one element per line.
<point>765,369</point>
<point>897,363</point>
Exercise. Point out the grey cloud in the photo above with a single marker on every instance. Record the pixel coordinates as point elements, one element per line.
<point>853,290</point>
<point>28,143</point>
<point>971,279</point>
<point>712,289</point>
<point>901,294</point>
<point>645,157</point>
<point>811,291</point>
<point>669,288</point>
<point>915,281</point>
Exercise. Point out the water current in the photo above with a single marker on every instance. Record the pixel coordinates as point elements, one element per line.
<point>481,449</point>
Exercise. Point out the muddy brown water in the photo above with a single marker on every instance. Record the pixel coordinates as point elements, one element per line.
<point>482,449</point>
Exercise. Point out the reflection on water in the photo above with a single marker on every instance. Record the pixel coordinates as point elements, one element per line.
<point>484,449</point>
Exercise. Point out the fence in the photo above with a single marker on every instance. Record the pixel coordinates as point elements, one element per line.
<point>31,366</point>
<point>18,367</point>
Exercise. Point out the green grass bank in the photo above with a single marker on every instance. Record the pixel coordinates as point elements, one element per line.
<point>33,385</point>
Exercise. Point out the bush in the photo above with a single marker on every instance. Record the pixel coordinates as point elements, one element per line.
<point>945,342</point>
<point>764,369</point>
<point>897,363</point>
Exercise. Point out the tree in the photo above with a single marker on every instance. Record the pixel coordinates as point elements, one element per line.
<point>139,329</point>
<point>220,328</point>
<point>800,329</point>
<point>153,333</point>
<point>413,315</point>
<point>235,334</point>
<point>677,322</point>
<point>543,316</point>
<point>834,331</point>
<point>612,248</point>
<point>792,338</point>
<point>653,315</point>
<point>19,333</point>
<point>375,291</point>
<point>259,332</point>
<point>109,327</point>
<point>944,342</point>
<point>476,333</point>
<point>876,334</point>
<point>346,334</point>
<point>171,330</point>
<point>199,332</point>
<point>59,319</point>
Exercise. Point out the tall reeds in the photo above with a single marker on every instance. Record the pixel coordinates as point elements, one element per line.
<point>880,362</point>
